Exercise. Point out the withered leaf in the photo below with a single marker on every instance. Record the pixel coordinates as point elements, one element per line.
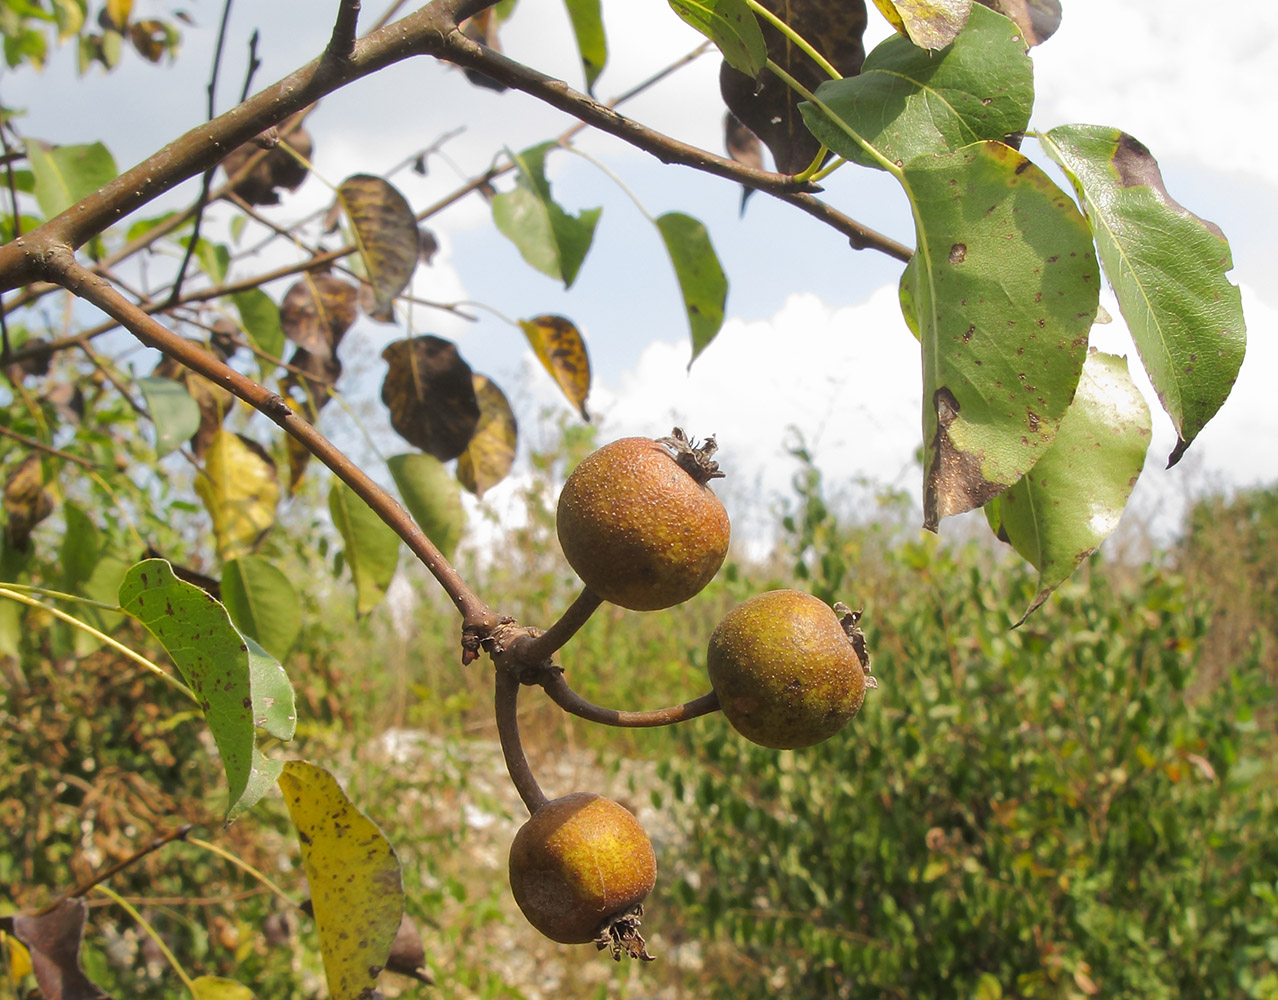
<point>317,311</point>
<point>386,232</point>
<point>26,501</point>
<point>427,245</point>
<point>277,169</point>
<point>430,395</point>
<point>491,452</point>
<point>53,939</point>
<point>744,147</point>
<point>315,374</point>
<point>149,37</point>
<point>240,488</point>
<point>769,108</point>
<point>482,28</point>
<point>407,955</point>
<point>1037,19</point>
<point>562,351</point>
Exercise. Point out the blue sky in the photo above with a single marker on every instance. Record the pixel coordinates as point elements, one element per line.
<point>813,338</point>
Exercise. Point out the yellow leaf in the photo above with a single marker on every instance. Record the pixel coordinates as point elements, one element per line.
<point>118,11</point>
<point>929,24</point>
<point>559,347</point>
<point>240,488</point>
<point>19,958</point>
<point>356,888</point>
<point>491,452</point>
<point>217,988</point>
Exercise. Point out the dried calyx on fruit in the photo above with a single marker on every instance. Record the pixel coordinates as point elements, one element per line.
<point>789,670</point>
<point>580,870</point>
<point>638,523</point>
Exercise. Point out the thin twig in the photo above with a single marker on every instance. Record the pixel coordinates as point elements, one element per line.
<point>80,889</point>
<point>206,182</point>
<point>506,712</point>
<point>543,647</point>
<point>342,43</point>
<point>556,685</point>
<point>39,445</point>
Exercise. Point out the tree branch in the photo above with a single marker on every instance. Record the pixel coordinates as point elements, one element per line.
<point>62,267</point>
<point>342,44</point>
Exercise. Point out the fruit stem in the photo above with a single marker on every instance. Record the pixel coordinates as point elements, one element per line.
<point>506,710</point>
<point>542,647</point>
<point>566,698</point>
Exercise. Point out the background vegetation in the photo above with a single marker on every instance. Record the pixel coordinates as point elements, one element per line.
<point>1083,806</point>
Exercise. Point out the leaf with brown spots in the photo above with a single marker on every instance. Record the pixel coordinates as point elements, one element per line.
<point>767,107</point>
<point>562,351</point>
<point>430,395</point>
<point>1168,269</point>
<point>1059,512</point>
<point>1003,322</point>
<point>929,24</point>
<point>213,658</point>
<point>491,452</point>
<point>357,892</point>
<point>385,232</point>
<point>53,940</point>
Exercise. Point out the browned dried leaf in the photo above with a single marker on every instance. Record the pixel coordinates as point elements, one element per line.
<point>560,348</point>
<point>491,452</point>
<point>36,365</point>
<point>427,245</point>
<point>315,374</point>
<point>430,395</point>
<point>482,28</point>
<point>1037,19</point>
<point>26,501</point>
<point>744,147</point>
<point>768,108</point>
<point>317,311</point>
<point>386,231</point>
<point>407,955</point>
<point>277,169</point>
<point>149,38</point>
<point>53,939</point>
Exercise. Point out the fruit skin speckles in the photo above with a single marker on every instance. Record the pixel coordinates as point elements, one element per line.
<point>638,524</point>
<point>788,671</point>
<point>579,867</point>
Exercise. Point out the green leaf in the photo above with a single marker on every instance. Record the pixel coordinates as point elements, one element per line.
<point>81,547</point>
<point>587,27</point>
<point>213,659</point>
<point>263,774</point>
<point>1167,267</point>
<point>261,319</point>
<point>213,258</point>
<point>66,174</point>
<point>701,278</point>
<point>1070,502</point>
<point>731,25</point>
<point>1001,292</point>
<point>372,548</point>
<point>274,703</point>
<point>355,881</point>
<point>262,603</point>
<point>104,586</point>
<point>432,497</point>
<point>929,24</point>
<point>174,413</point>
<point>909,102</point>
<point>548,238</point>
